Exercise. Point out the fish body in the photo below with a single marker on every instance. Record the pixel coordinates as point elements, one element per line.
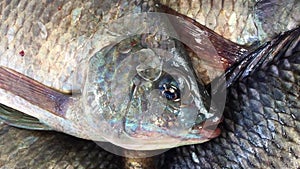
<point>243,22</point>
<point>107,93</point>
<point>258,106</point>
<point>36,149</point>
<point>71,33</point>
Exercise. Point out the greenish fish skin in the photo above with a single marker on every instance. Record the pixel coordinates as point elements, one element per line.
<point>29,29</point>
<point>33,149</point>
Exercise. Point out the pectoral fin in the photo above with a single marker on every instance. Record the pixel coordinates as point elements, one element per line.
<point>34,92</point>
<point>25,102</point>
<point>21,120</point>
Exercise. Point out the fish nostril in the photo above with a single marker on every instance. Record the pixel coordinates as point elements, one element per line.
<point>150,66</point>
<point>149,74</point>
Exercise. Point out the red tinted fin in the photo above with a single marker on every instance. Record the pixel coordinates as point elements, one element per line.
<point>227,53</point>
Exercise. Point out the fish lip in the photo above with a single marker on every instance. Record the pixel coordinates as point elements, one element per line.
<point>170,140</point>
<point>208,128</point>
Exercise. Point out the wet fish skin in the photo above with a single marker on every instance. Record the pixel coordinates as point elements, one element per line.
<point>243,21</point>
<point>58,29</point>
<point>66,114</point>
<point>37,47</point>
<point>53,59</point>
<point>52,35</point>
<point>35,149</point>
<point>261,120</point>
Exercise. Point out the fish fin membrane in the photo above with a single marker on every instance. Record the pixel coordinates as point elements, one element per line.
<point>262,56</point>
<point>18,119</point>
<point>205,43</point>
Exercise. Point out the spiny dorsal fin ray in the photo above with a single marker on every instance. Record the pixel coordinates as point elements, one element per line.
<point>262,56</point>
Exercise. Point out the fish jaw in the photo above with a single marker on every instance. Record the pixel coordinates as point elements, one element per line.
<point>140,138</point>
<point>147,139</point>
<point>133,136</point>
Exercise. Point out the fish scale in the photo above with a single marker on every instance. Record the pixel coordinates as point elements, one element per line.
<point>67,24</point>
<point>231,19</point>
<point>51,150</point>
<point>241,21</point>
<point>262,129</point>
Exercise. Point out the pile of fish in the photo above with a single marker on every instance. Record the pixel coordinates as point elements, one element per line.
<point>58,59</point>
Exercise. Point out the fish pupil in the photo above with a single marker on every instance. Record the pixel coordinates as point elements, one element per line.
<point>170,91</point>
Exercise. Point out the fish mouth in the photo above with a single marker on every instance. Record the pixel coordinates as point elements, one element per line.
<point>143,138</point>
<point>208,129</point>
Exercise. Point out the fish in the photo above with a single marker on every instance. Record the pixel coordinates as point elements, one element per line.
<point>113,96</point>
<point>49,20</point>
<point>36,149</point>
<point>250,123</point>
<point>126,85</point>
<point>262,99</point>
<point>25,51</point>
<point>243,22</point>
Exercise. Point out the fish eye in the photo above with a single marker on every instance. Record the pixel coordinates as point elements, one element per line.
<point>168,88</point>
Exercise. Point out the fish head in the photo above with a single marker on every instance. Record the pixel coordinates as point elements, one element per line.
<point>142,96</point>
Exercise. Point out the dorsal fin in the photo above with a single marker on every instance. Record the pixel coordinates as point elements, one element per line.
<point>262,56</point>
<point>18,119</point>
<point>225,52</point>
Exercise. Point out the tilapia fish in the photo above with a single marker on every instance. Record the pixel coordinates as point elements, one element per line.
<point>53,50</point>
